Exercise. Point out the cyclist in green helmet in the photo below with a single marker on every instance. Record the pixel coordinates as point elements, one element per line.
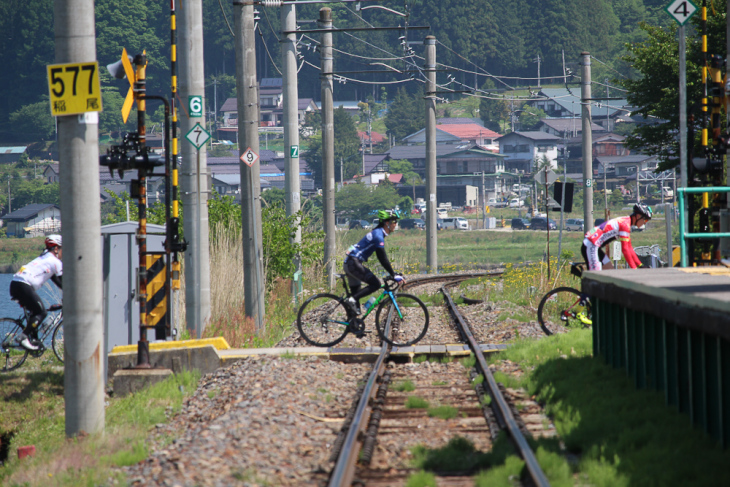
<point>359,253</point>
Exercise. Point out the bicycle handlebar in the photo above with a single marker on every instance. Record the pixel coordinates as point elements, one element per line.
<point>390,284</point>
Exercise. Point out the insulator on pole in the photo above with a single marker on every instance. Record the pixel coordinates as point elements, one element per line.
<point>270,3</point>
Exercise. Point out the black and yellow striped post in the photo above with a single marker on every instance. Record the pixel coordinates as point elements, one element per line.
<point>156,305</point>
<point>173,224</point>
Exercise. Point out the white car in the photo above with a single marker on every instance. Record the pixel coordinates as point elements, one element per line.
<point>575,224</point>
<point>516,203</point>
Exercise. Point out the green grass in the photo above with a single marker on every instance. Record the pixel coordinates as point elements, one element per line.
<point>404,386</point>
<point>87,460</point>
<point>416,402</point>
<point>421,479</point>
<point>621,435</point>
<point>443,412</point>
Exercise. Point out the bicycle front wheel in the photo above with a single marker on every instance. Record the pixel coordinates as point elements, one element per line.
<point>12,354</point>
<point>562,306</point>
<point>409,320</point>
<point>58,342</point>
<point>323,320</point>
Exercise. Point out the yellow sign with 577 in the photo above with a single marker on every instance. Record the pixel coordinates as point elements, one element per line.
<point>74,88</point>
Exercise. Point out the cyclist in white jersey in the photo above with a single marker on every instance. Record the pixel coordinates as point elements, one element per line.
<point>29,279</point>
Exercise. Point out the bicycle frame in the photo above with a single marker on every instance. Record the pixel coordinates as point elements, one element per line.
<point>386,292</point>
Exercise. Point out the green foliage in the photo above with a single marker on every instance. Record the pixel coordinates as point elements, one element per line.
<point>656,91</point>
<point>443,412</point>
<point>359,201</point>
<point>405,386</point>
<point>530,117</point>
<point>347,146</point>
<point>493,110</point>
<point>416,402</point>
<point>26,191</point>
<point>421,479</point>
<point>405,115</point>
<point>34,121</point>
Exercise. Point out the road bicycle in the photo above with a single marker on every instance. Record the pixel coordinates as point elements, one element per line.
<point>13,355</point>
<point>565,305</point>
<point>324,319</point>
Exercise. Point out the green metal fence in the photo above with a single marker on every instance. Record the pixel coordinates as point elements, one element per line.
<point>692,368</point>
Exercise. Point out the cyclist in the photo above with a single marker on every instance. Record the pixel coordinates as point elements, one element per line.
<point>359,253</point>
<point>610,230</point>
<point>28,280</point>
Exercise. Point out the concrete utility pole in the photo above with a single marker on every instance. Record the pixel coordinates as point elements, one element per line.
<point>291,122</point>
<point>328,146</point>
<point>431,229</point>
<point>585,94</point>
<point>248,135</point>
<point>194,172</point>
<point>78,153</point>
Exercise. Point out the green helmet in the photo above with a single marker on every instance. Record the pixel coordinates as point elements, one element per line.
<point>385,215</point>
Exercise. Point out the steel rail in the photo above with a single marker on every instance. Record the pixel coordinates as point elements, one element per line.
<point>344,471</point>
<point>503,410</point>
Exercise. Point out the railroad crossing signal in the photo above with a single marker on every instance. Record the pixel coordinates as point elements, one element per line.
<point>132,78</point>
<point>74,88</point>
<point>249,157</point>
<point>681,10</point>
<point>198,136</point>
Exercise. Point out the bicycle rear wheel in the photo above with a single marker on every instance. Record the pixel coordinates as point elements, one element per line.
<point>12,355</point>
<point>58,341</point>
<point>562,306</point>
<point>409,320</point>
<point>323,320</point>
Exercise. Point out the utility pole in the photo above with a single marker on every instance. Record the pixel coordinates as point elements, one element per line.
<point>291,127</point>
<point>248,133</point>
<point>328,146</point>
<point>538,70</point>
<point>484,203</point>
<point>78,154</point>
<point>585,94</point>
<point>431,229</point>
<point>194,174</point>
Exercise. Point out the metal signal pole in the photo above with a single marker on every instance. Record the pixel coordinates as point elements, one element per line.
<point>78,144</point>
<point>194,198</point>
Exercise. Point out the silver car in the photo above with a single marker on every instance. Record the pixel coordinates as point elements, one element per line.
<point>574,224</point>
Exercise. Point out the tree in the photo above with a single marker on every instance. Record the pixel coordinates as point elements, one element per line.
<point>347,145</point>
<point>656,93</point>
<point>405,116</point>
<point>492,111</point>
<point>530,117</point>
<point>357,201</point>
<point>34,121</point>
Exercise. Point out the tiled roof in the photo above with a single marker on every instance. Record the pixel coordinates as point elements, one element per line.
<point>459,120</point>
<point>533,135</point>
<point>28,212</point>
<point>377,138</point>
<point>468,131</point>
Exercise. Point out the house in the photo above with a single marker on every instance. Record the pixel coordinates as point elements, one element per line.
<point>305,105</point>
<point>564,103</point>
<point>270,98</point>
<point>458,120</point>
<point>350,106</point>
<point>11,154</point>
<point>458,134</point>
<point>566,127</point>
<point>370,138</point>
<point>33,220</point>
<point>523,149</point>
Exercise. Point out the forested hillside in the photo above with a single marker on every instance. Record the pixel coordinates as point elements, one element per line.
<point>504,38</point>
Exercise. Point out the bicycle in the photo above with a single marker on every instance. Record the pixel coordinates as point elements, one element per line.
<point>13,355</point>
<point>324,319</point>
<point>565,305</point>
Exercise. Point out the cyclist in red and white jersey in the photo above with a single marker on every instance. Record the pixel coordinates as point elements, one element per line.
<point>29,279</point>
<point>608,231</point>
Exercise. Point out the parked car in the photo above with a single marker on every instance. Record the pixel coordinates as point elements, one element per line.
<point>520,224</point>
<point>541,223</point>
<point>439,224</point>
<point>496,203</point>
<point>410,223</point>
<point>516,203</point>
<point>456,223</point>
<point>364,224</point>
<point>441,213</point>
<point>574,224</point>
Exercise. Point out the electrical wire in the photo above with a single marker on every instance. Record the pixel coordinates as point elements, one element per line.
<point>226,19</point>
<point>267,52</point>
<point>609,67</point>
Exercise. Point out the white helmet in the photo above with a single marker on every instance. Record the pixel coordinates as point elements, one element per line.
<point>53,241</point>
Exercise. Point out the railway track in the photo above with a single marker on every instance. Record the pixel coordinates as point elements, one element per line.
<point>400,407</point>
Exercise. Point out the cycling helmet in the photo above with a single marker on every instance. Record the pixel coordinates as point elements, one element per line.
<point>643,210</point>
<point>385,215</point>
<point>53,241</point>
